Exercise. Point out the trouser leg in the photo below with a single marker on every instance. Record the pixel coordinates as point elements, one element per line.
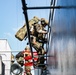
<point>40,63</point>
<point>37,46</point>
<point>28,69</point>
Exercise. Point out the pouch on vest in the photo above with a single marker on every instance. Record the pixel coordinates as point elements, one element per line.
<point>21,33</point>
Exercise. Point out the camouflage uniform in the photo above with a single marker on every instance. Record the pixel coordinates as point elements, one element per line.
<point>37,46</point>
<point>38,34</point>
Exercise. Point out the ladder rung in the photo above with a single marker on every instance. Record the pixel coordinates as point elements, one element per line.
<point>43,64</point>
